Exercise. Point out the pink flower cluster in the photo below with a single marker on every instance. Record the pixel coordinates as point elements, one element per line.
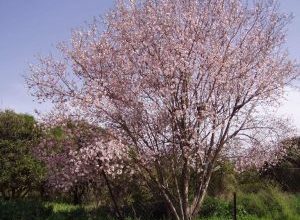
<point>76,152</point>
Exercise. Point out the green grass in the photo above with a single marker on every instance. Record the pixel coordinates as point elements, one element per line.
<point>38,210</point>
<point>267,204</point>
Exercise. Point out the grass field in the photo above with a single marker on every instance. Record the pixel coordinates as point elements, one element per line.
<point>265,205</point>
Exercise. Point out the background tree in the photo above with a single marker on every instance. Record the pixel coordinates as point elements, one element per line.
<point>20,172</point>
<point>181,83</point>
<point>79,156</point>
<point>286,171</point>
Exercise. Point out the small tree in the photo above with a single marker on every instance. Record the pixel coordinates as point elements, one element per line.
<point>78,156</point>
<point>20,172</point>
<point>179,82</point>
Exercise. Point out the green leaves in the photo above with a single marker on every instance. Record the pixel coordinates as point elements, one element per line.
<point>20,171</point>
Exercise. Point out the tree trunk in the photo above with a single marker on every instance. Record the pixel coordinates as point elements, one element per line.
<point>117,209</point>
<point>197,203</point>
<point>76,197</point>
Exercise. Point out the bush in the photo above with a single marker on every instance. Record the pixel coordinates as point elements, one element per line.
<point>25,210</point>
<point>270,203</point>
<point>215,207</point>
<point>20,172</point>
<point>38,210</point>
<point>286,171</point>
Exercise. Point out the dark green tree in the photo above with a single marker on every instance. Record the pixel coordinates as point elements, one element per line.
<point>20,172</point>
<point>287,171</point>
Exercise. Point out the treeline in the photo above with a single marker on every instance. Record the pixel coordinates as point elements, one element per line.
<point>35,164</point>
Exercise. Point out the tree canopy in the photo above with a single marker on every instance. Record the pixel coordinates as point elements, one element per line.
<point>20,172</point>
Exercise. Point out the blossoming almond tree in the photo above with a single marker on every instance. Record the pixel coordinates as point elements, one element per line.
<point>181,83</point>
<point>78,155</point>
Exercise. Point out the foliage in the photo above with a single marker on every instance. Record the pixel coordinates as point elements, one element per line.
<point>80,156</point>
<point>286,171</point>
<point>38,210</point>
<point>215,207</point>
<point>23,209</point>
<point>269,204</point>
<point>256,198</point>
<point>20,172</point>
<point>223,181</point>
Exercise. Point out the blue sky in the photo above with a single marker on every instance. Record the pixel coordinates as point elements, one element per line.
<point>30,27</point>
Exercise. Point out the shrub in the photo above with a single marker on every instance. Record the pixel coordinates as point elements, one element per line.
<point>270,203</point>
<point>20,172</point>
